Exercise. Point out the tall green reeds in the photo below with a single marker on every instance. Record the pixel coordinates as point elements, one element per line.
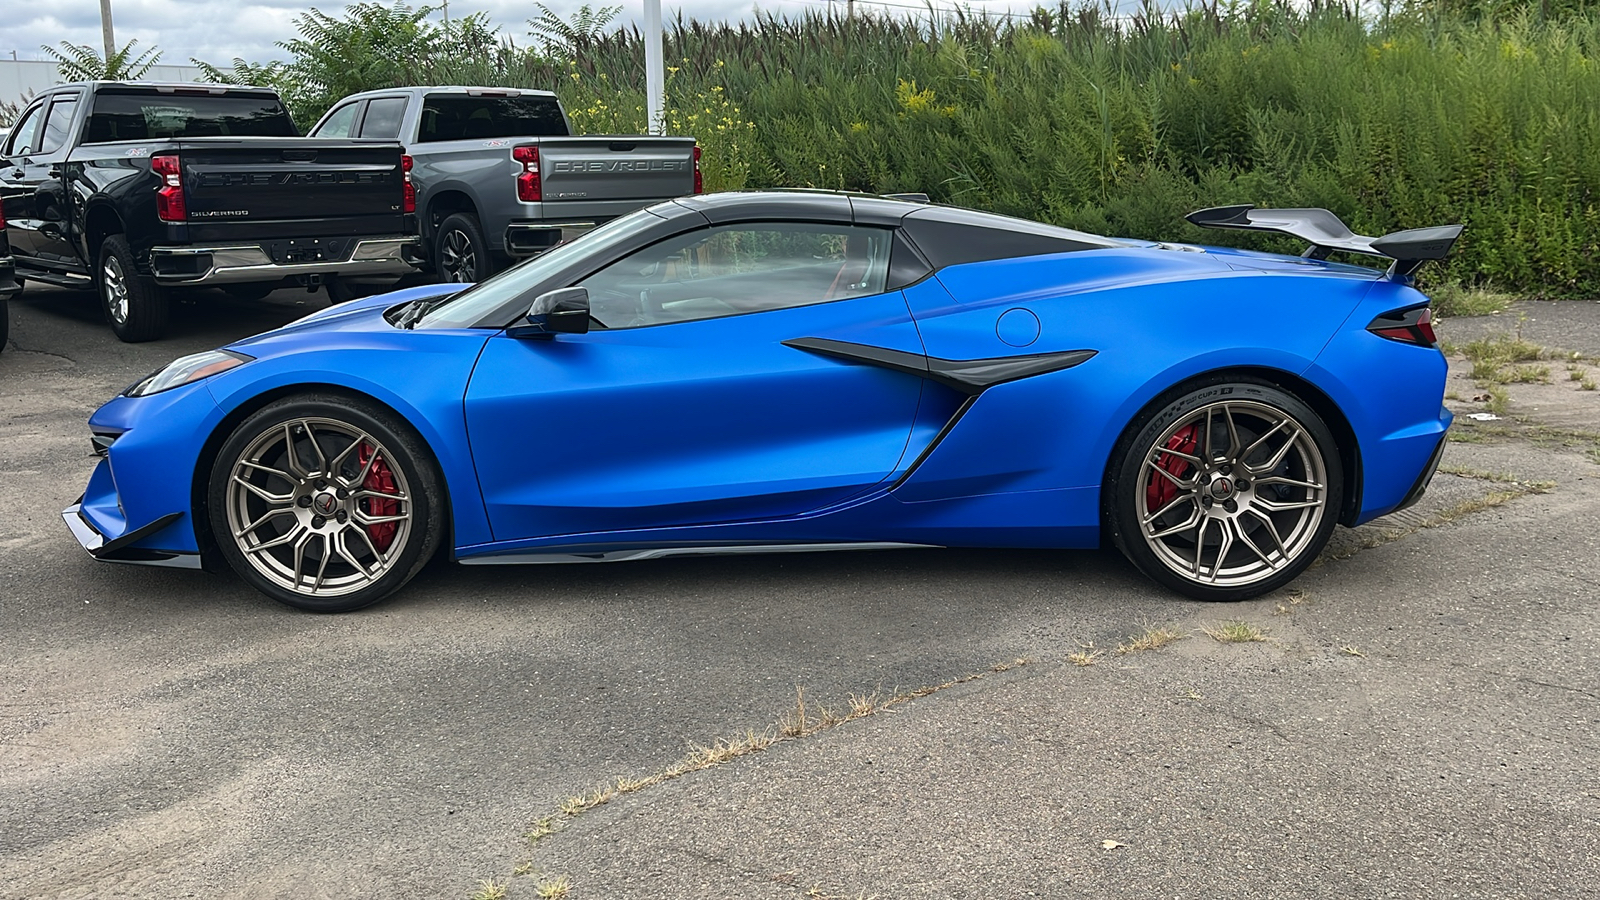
<point>1121,126</point>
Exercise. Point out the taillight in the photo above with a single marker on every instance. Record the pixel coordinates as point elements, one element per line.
<point>1408,326</point>
<point>699,185</point>
<point>528,188</point>
<point>169,199</point>
<point>410,190</point>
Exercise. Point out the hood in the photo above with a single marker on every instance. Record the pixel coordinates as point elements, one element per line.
<point>354,315</point>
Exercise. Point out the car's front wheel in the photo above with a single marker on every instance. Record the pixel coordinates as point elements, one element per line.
<point>1227,492</point>
<point>326,503</point>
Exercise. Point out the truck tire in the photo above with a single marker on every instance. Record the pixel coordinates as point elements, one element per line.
<point>135,305</point>
<point>460,253</point>
<point>5,324</point>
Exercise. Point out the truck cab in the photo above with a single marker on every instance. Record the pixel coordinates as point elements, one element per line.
<point>499,175</point>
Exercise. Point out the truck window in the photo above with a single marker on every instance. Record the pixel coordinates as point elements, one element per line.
<point>383,118</point>
<point>341,124</point>
<point>57,123</point>
<point>22,142</point>
<point>462,117</point>
<point>146,115</point>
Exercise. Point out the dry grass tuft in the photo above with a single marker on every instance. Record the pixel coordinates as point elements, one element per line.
<point>553,887</point>
<point>1151,638</point>
<point>1236,632</point>
<point>1087,656</point>
<point>489,890</point>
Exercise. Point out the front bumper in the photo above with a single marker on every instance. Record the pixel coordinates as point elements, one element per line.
<point>120,549</point>
<point>245,263</point>
<point>523,239</point>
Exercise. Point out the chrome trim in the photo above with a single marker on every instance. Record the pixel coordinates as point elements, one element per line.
<point>249,262</point>
<point>663,552</point>
<point>566,231</point>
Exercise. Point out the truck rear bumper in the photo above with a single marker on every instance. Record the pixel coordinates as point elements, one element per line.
<point>252,263</point>
<point>523,239</point>
<point>8,278</point>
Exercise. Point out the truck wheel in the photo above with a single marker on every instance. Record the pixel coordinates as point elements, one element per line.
<point>136,305</point>
<point>460,251</point>
<point>5,324</point>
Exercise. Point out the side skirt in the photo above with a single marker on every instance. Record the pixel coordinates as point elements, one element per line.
<point>630,555</point>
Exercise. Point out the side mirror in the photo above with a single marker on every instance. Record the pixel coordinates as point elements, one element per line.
<point>565,311</point>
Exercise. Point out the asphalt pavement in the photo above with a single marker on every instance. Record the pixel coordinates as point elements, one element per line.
<point>1420,722</point>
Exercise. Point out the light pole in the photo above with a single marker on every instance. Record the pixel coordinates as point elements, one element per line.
<point>105,30</point>
<point>654,82</point>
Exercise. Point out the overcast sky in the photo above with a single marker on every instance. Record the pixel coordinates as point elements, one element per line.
<point>217,32</point>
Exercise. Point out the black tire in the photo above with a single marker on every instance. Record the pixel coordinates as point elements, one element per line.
<point>249,292</point>
<point>134,304</point>
<point>5,323</point>
<point>1262,509</point>
<point>460,254</point>
<point>293,499</point>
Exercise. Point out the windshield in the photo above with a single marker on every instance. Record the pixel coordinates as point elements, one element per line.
<point>464,309</point>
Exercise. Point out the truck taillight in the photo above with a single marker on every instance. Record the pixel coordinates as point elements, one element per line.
<point>528,187</point>
<point>169,199</point>
<point>699,186</point>
<point>410,190</point>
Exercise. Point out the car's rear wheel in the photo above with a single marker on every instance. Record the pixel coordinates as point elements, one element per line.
<point>325,503</point>
<point>1227,492</point>
<point>135,305</point>
<point>460,252</point>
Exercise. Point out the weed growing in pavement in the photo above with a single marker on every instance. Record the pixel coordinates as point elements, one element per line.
<point>489,890</point>
<point>1499,400</point>
<point>1491,356</point>
<point>1151,638</point>
<point>1236,632</point>
<point>1574,373</point>
<point>1086,656</point>
<point>1588,383</point>
<point>553,887</point>
<point>1452,299</point>
<point>804,719</point>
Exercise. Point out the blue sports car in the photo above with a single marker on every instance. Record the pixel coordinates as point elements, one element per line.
<point>764,372</point>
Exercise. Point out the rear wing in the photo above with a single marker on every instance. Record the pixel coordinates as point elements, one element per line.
<point>1323,230</point>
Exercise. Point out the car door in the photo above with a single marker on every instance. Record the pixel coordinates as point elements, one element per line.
<point>43,174</point>
<point>21,218</point>
<point>682,405</point>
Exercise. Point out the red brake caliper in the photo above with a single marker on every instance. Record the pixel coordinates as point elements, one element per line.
<point>380,479</point>
<point>1161,491</point>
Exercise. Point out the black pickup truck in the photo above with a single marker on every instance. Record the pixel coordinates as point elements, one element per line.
<point>142,189</point>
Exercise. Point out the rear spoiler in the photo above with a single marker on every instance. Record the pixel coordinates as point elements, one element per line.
<point>1409,249</point>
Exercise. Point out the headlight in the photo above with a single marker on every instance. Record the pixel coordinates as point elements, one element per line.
<point>187,370</point>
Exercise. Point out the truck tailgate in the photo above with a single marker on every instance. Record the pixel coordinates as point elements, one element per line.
<point>615,168</point>
<point>355,187</point>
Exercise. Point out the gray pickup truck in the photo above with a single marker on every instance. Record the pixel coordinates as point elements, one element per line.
<point>499,176</point>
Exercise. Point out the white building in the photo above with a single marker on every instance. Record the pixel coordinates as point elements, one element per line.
<point>20,77</point>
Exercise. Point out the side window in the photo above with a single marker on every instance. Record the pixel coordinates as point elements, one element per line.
<point>341,123</point>
<point>22,142</point>
<point>57,123</point>
<point>383,118</point>
<point>735,269</point>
